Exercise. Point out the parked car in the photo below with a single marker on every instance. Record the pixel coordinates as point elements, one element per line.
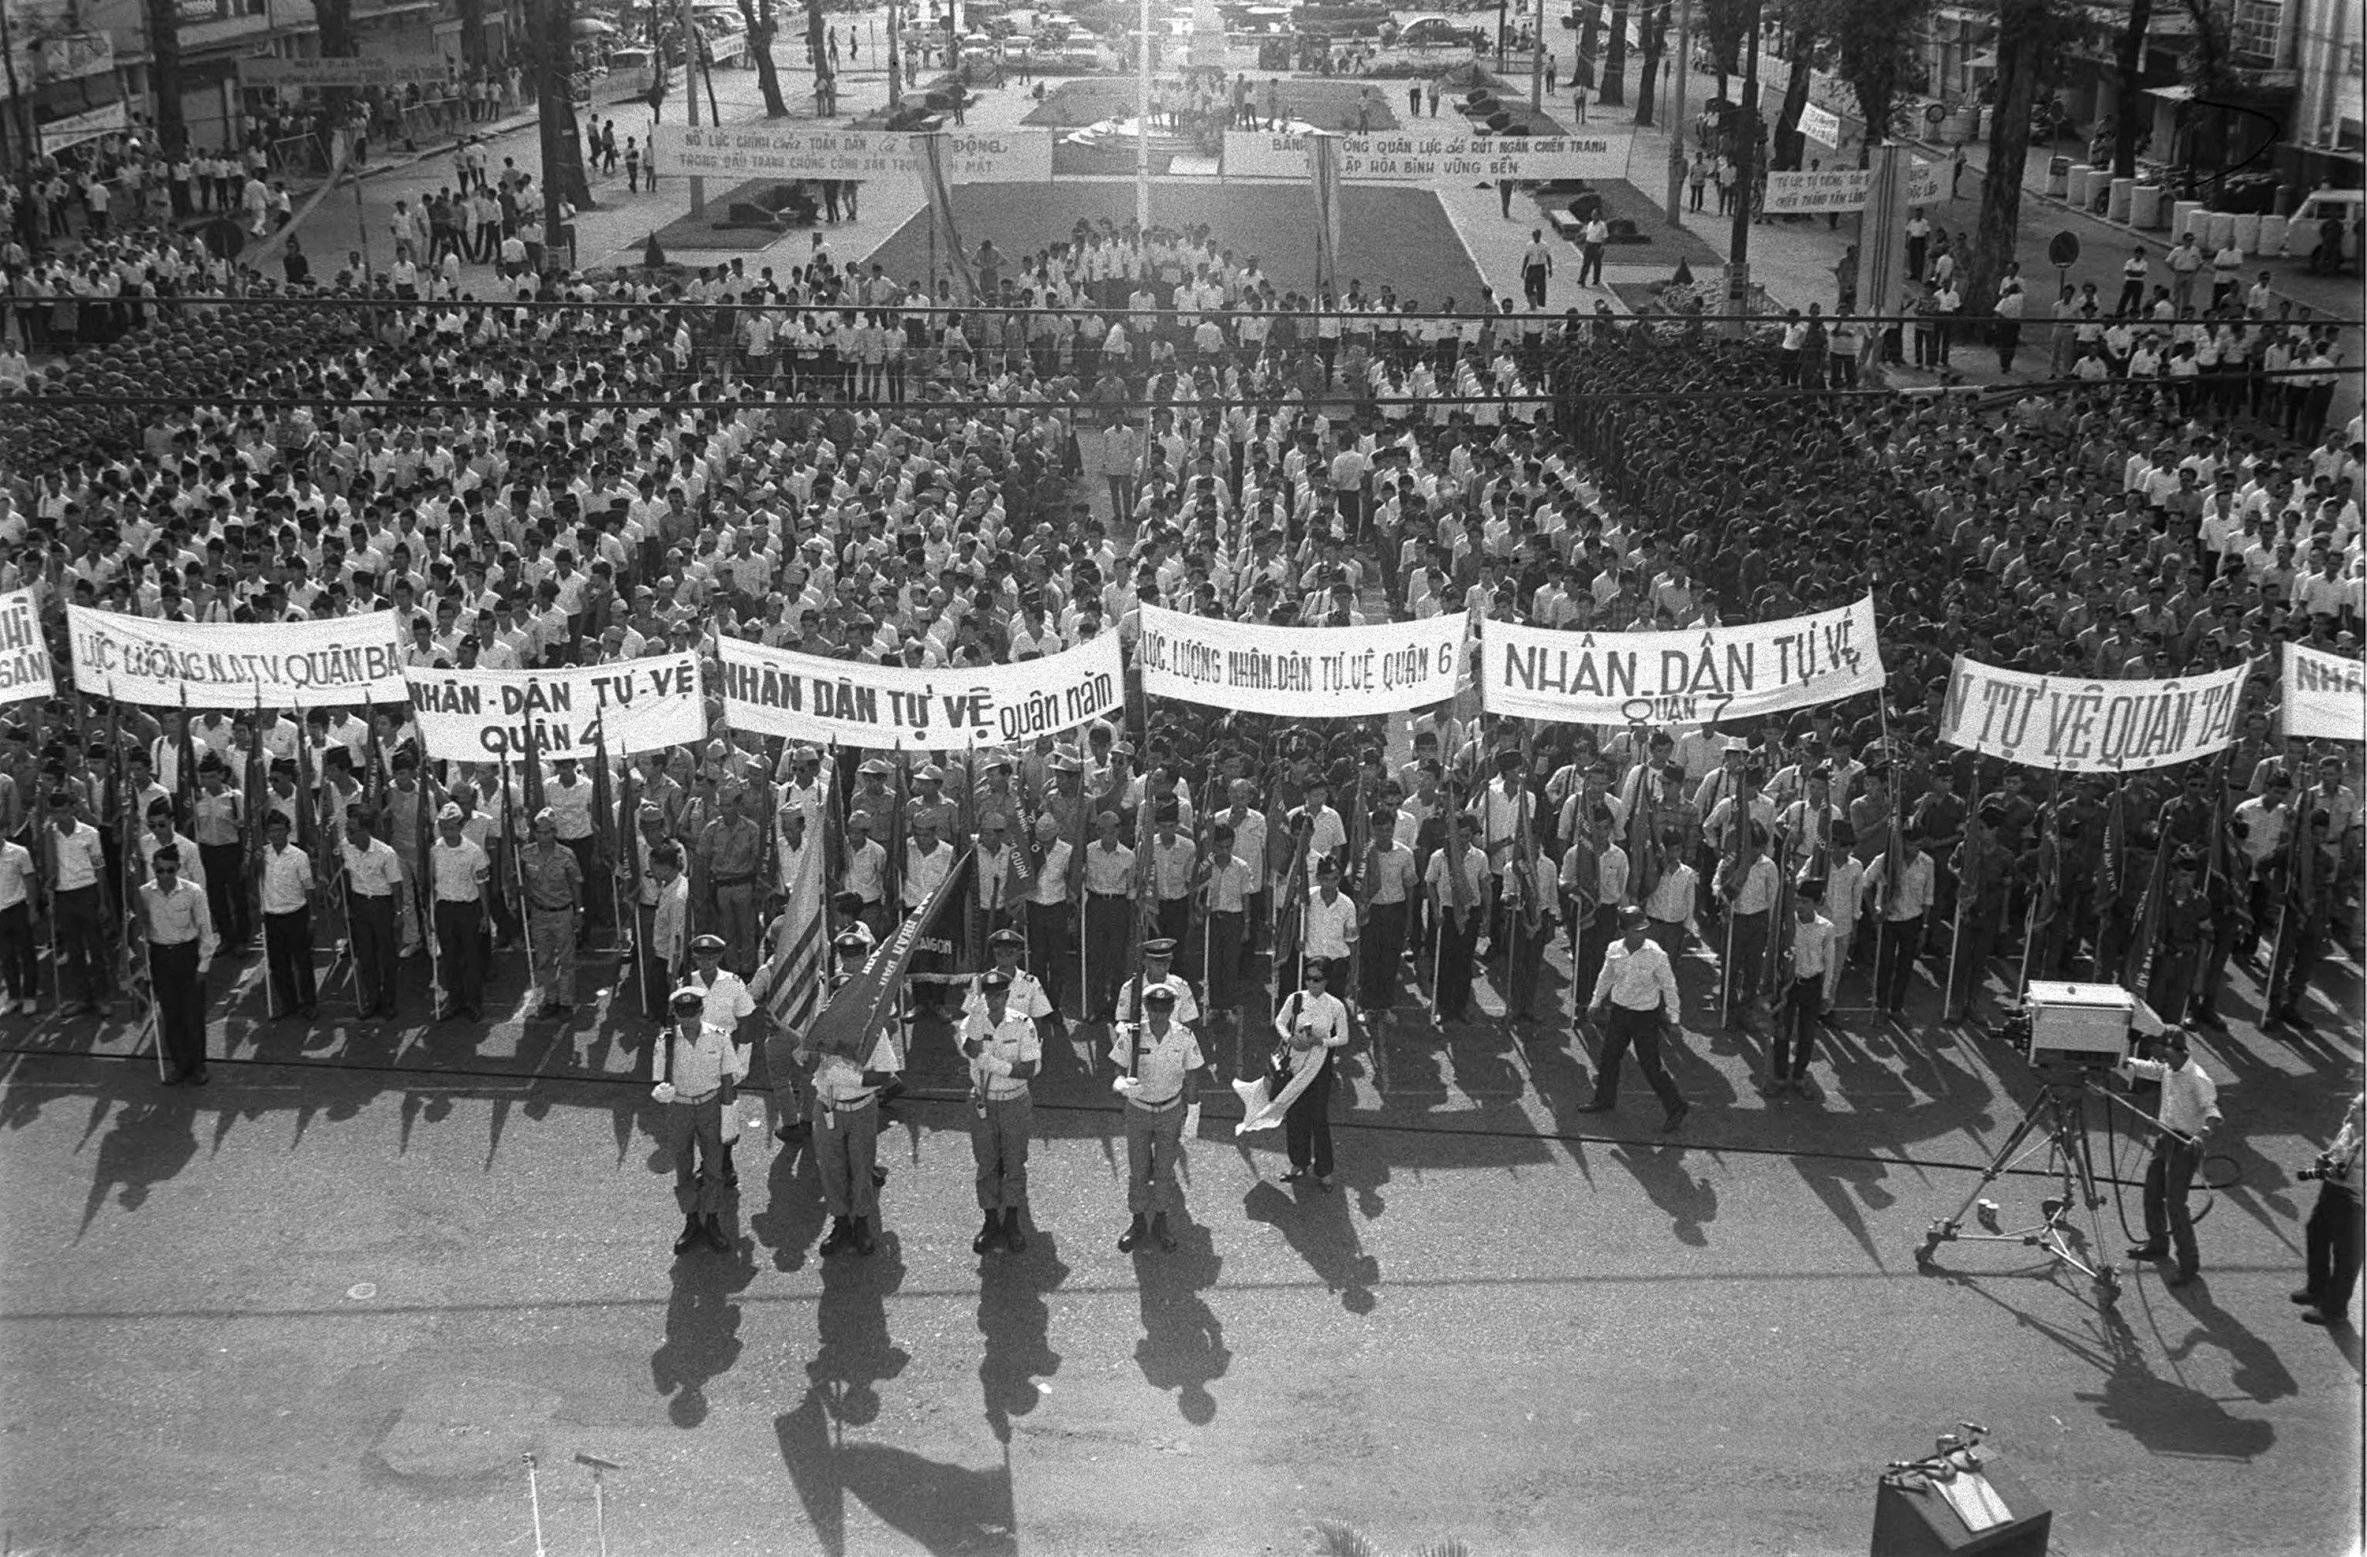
<point>1437,32</point>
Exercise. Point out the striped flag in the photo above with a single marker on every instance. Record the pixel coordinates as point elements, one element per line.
<point>789,984</point>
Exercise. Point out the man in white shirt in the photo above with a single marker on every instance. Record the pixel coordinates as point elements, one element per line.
<point>1814,943</point>
<point>19,950</point>
<point>1004,1054</point>
<point>1637,993</point>
<point>2189,1112</point>
<point>287,922</point>
<point>1900,884</point>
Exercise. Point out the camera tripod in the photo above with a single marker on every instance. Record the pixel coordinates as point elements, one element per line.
<point>2057,1123</point>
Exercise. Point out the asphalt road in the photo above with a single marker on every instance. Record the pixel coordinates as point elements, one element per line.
<point>328,1303</point>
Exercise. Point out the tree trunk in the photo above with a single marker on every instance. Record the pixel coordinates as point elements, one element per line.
<point>1614,93</point>
<point>2027,36</point>
<point>817,43</point>
<point>336,24</point>
<point>1790,146</point>
<point>1590,42</point>
<point>761,27</point>
<point>562,139</point>
<point>164,72</point>
<point>2130,70</point>
<point>1655,45</point>
<point>1721,23</point>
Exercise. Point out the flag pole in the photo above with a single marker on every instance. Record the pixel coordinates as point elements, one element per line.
<point>127,810</point>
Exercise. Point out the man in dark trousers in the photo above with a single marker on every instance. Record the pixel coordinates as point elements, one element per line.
<point>373,877</point>
<point>287,920</point>
<point>1637,992</point>
<point>180,947</point>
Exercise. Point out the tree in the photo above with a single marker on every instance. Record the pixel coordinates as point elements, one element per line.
<point>2031,35</point>
<point>817,43</point>
<point>1877,42</point>
<point>1590,37</point>
<point>2129,68</point>
<point>1786,148</point>
<point>1654,42</point>
<point>335,18</point>
<point>1614,90</point>
<point>164,72</point>
<point>472,34</point>
<point>1722,24</point>
<point>562,139</point>
<point>762,24</point>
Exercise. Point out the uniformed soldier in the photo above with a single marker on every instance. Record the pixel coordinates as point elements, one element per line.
<point>698,1069</point>
<point>728,1004</point>
<point>1159,1078</point>
<point>1004,1053</point>
<point>1027,995</point>
<point>554,912</point>
<point>731,847</point>
<point>1109,914</point>
<point>845,1125</point>
<point>1158,971</point>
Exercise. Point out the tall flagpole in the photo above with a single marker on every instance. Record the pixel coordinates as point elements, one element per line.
<point>1142,123</point>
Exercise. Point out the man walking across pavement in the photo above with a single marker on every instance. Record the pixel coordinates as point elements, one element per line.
<point>1536,267</point>
<point>1637,992</point>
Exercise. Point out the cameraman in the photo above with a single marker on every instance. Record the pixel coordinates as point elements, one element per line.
<point>2334,1227</point>
<point>2189,1111</point>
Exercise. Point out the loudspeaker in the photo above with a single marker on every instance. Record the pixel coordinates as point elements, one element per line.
<point>1911,1523</point>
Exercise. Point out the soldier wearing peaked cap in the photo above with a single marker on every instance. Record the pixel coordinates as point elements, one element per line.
<point>1004,1052</point>
<point>1160,1064</point>
<point>1158,965</point>
<point>698,1071</point>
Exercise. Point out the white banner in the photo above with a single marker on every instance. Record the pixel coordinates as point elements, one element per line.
<point>1308,672</point>
<point>1692,677</point>
<point>482,715</point>
<point>1400,157</point>
<point>342,659</point>
<point>1820,124</point>
<point>2325,696</point>
<point>359,70</point>
<point>1844,189</point>
<point>1016,156</point>
<point>24,652</point>
<point>2075,726</point>
<point>848,703</point>
<point>89,125</point>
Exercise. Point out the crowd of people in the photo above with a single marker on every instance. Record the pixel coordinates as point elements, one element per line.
<point>593,469</point>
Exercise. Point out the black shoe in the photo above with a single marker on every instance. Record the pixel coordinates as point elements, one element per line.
<point>1676,1119</point>
<point>717,1239</point>
<point>1294,1175</point>
<point>2305,1297</point>
<point>990,1233</point>
<point>2324,1320</point>
<point>879,1177</point>
<point>690,1236</point>
<point>1131,1239</point>
<point>2149,1251</point>
<point>863,1240</point>
<point>173,1080</point>
<point>198,1077</point>
<point>1161,1236</point>
<point>1014,1236</point>
<point>837,1237</point>
<point>1601,1105</point>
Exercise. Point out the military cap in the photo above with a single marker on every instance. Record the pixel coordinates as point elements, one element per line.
<point>707,946</point>
<point>688,998</point>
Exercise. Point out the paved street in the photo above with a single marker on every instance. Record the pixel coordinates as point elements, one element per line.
<point>332,1299</point>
